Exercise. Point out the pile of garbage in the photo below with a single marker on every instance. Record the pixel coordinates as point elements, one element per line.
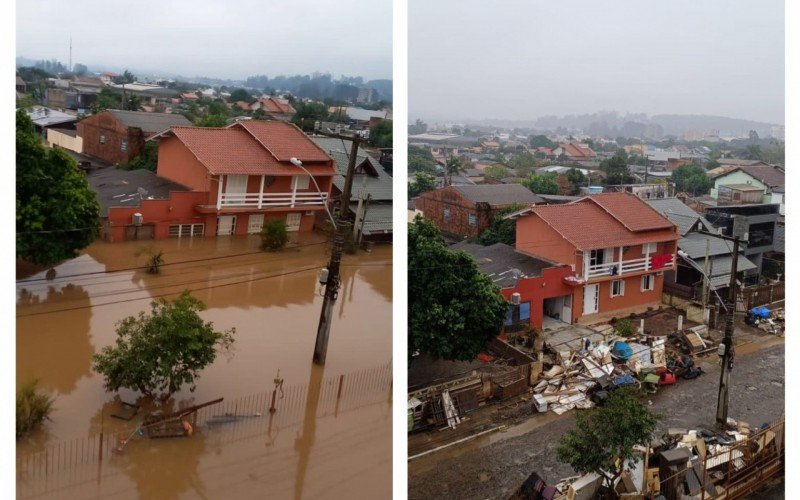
<point>585,377</point>
<point>770,321</point>
<point>681,464</point>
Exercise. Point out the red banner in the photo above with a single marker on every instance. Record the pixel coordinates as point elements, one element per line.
<point>659,261</point>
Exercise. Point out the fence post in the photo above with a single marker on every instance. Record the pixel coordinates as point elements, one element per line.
<point>341,382</point>
<point>272,405</point>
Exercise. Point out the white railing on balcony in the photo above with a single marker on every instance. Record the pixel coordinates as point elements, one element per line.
<point>266,200</point>
<point>625,267</point>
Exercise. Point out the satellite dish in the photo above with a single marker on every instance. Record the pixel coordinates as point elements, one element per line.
<point>142,192</point>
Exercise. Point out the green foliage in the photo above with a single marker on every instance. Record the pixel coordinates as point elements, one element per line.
<point>274,235</point>
<point>157,353</point>
<point>523,163</point>
<point>691,179</point>
<point>775,153</point>
<point>454,309</point>
<point>624,328</point>
<point>240,95</point>
<point>108,98</point>
<point>501,230</point>
<point>419,127</point>
<point>33,407</point>
<point>420,160</point>
<point>604,437</point>
<point>212,120</point>
<point>496,172</point>
<point>616,168</point>
<point>576,177</point>
<point>542,184</point>
<point>712,164</point>
<point>218,107</point>
<point>148,160</point>
<point>309,112</point>
<point>380,134</point>
<point>423,183</point>
<point>538,141</point>
<point>155,259</point>
<point>753,152</point>
<point>57,213</point>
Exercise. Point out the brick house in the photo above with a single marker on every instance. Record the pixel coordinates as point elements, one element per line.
<point>236,178</point>
<point>118,136</point>
<point>467,211</point>
<point>618,246</point>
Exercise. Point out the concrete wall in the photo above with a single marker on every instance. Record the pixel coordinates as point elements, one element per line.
<point>66,141</point>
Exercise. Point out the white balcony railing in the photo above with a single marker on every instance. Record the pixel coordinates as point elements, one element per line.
<point>624,267</point>
<point>266,200</point>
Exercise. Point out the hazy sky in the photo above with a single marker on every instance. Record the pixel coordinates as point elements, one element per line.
<point>524,59</point>
<point>217,38</point>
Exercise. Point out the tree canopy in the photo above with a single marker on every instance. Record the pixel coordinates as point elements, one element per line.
<point>691,179</point>
<point>542,184</point>
<point>240,95</point>
<point>501,230</point>
<point>616,168</point>
<point>604,436</point>
<point>420,160</point>
<point>419,127</point>
<point>424,182</point>
<point>57,213</point>
<point>454,309</point>
<point>380,134</point>
<point>496,172</point>
<point>538,141</point>
<point>157,353</point>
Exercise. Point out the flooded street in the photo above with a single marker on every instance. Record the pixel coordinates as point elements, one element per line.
<point>331,433</point>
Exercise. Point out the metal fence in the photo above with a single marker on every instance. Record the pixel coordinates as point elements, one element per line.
<point>72,462</point>
<point>734,473</point>
<point>760,295</point>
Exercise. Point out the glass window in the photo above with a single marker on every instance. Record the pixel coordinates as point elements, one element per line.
<point>617,288</point>
<point>596,257</point>
<point>102,139</point>
<point>123,145</point>
<point>473,219</point>
<point>525,311</point>
<point>648,283</point>
<point>446,212</point>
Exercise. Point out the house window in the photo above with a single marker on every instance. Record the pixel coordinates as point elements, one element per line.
<point>648,248</point>
<point>617,288</point>
<point>473,219</point>
<point>102,139</point>
<point>648,282</point>
<point>182,230</point>
<point>301,181</point>
<point>596,257</point>
<point>518,314</point>
<point>446,213</point>
<point>123,145</point>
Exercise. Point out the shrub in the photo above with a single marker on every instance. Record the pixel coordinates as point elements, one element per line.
<point>624,328</point>
<point>33,407</point>
<point>274,236</point>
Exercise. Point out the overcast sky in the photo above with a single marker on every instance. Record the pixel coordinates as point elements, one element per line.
<point>217,38</point>
<point>523,59</point>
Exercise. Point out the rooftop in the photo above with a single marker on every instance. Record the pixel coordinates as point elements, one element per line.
<point>121,188</point>
<point>503,263</point>
<point>150,123</point>
<point>498,194</point>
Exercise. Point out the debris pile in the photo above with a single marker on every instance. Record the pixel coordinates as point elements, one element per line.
<point>770,321</point>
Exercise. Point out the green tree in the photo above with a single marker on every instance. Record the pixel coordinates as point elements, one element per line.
<point>57,213</point>
<point>423,183</point>
<point>496,172</point>
<point>523,164</point>
<point>501,230</point>
<point>108,98</point>
<point>753,152</point>
<point>691,179</point>
<point>420,160</point>
<point>542,184</point>
<point>80,69</point>
<point>538,141</point>
<point>124,79</point>
<point>147,160</point>
<point>616,168</point>
<point>157,353</point>
<point>33,407</point>
<point>454,309</point>
<point>240,95</point>
<point>380,134</point>
<point>419,127</point>
<point>604,437</point>
<point>576,179</point>
<point>308,113</point>
<point>212,120</point>
<point>274,235</point>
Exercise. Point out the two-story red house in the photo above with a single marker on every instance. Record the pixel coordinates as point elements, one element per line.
<point>236,177</point>
<point>617,246</point>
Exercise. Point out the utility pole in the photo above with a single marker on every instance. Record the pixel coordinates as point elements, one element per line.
<point>332,281</point>
<point>726,350</point>
<point>706,281</point>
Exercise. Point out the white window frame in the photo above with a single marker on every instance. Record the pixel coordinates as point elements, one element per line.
<point>251,227</point>
<point>102,138</point>
<point>290,225</point>
<point>472,219</point>
<point>446,213</point>
<point>301,182</point>
<point>190,230</point>
<point>650,280</point>
<point>123,145</point>
<point>621,288</point>
<point>649,248</point>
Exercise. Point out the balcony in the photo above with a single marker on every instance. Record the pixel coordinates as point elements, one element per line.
<point>270,200</point>
<point>630,266</point>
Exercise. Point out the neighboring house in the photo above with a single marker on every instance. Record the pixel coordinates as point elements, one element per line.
<point>87,81</point>
<point>275,108</point>
<point>234,178</point>
<point>71,98</point>
<point>574,151</point>
<point>467,211</point>
<point>372,188</point>
<point>107,77</point>
<point>543,285</point>
<point>22,87</point>
<point>762,176</point>
<point>618,247</point>
<point>189,96</point>
<point>149,94</point>
<point>45,119</point>
<point>118,136</point>
<point>761,222</point>
<point>692,246</point>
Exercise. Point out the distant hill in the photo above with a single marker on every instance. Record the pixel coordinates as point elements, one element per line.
<point>677,124</point>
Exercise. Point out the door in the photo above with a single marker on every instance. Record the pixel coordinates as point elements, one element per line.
<point>566,309</point>
<point>226,224</point>
<point>293,221</point>
<point>591,298</point>
<point>235,189</point>
<point>255,223</point>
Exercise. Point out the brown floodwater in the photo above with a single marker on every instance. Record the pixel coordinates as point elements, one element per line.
<point>330,435</point>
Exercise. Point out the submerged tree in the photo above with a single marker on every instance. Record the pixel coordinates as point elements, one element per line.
<point>33,407</point>
<point>157,353</point>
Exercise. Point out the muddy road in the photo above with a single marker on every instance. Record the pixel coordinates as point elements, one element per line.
<point>331,433</point>
<point>494,465</point>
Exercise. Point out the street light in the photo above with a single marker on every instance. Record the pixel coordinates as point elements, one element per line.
<point>297,163</point>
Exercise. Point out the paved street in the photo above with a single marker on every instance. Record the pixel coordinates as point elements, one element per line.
<point>493,466</point>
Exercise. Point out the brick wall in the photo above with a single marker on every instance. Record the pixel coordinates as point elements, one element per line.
<point>433,204</point>
<point>113,133</point>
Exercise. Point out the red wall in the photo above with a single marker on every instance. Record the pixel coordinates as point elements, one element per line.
<point>536,237</point>
<point>178,209</point>
<point>535,290</point>
<point>178,164</point>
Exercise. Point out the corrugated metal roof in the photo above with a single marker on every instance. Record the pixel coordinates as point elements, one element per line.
<point>694,244</point>
<point>502,263</point>
<point>498,194</point>
<point>149,122</point>
<point>378,219</point>
<point>379,188</point>
<point>678,213</point>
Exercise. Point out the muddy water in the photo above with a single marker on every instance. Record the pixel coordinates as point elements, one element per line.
<point>331,433</point>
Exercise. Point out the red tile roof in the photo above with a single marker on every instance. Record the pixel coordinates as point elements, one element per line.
<point>234,150</point>
<point>283,140</point>
<point>630,210</point>
<point>589,225</point>
<point>575,149</point>
<point>272,105</point>
<point>244,105</point>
